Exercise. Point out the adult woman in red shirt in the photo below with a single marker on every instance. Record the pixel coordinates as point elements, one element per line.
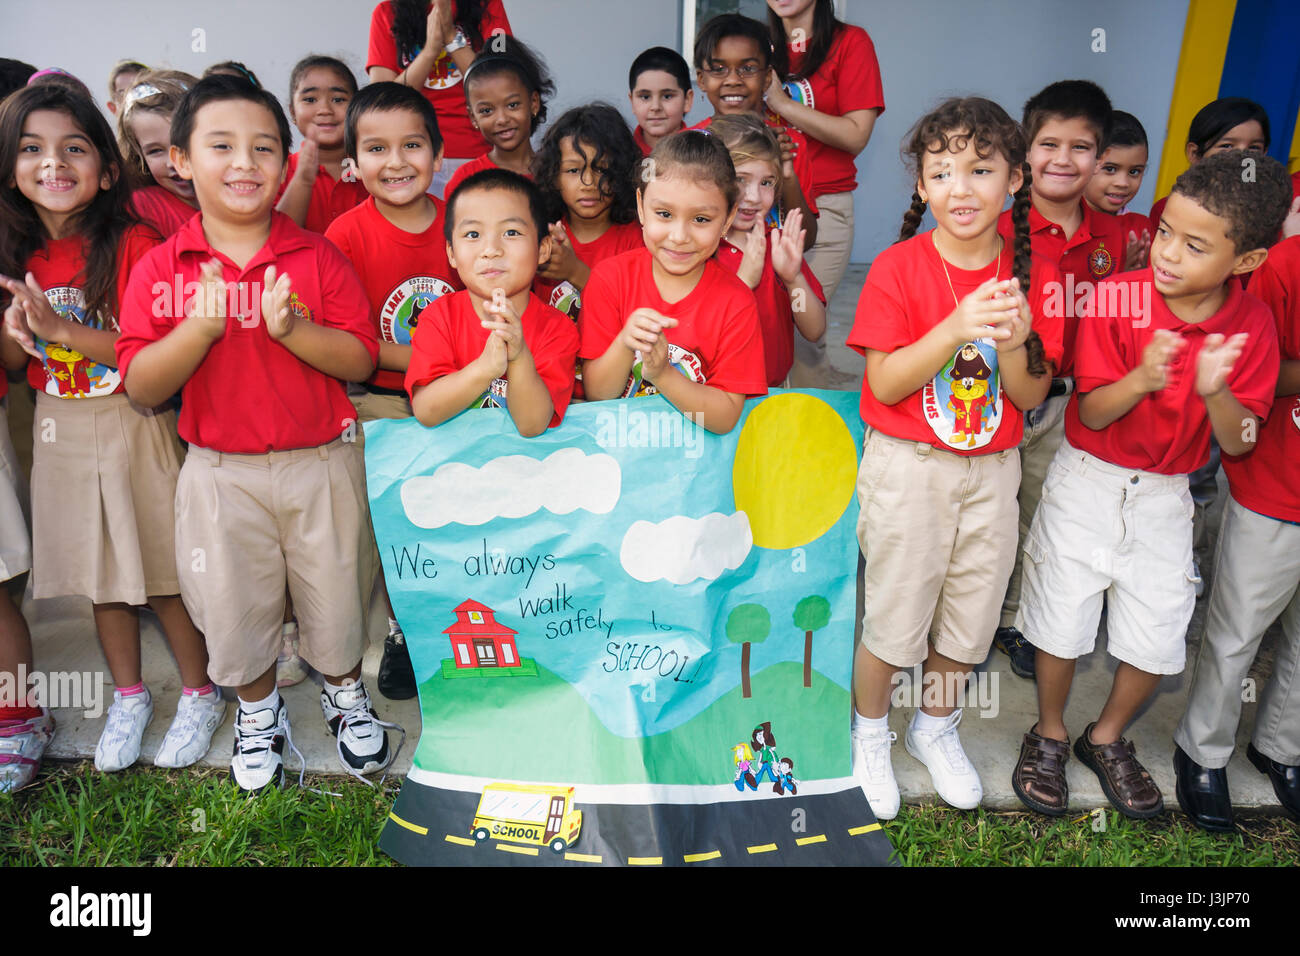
<point>429,46</point>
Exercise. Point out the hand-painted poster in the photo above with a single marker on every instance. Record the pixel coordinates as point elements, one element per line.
<point>632,638</point>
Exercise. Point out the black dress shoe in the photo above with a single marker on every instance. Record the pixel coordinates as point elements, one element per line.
<point>1203,793</point>
<point>396,676</point>
<point>1285,778</point>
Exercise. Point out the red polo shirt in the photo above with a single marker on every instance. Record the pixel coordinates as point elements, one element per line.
<point>848,80</point>
<point>775,311</point>
<point>1263,480</point>
<point>1094,252</point>
<point>963,409</point>
<point>638,134</point>
<point>330,198</point>
<point>163,210</point>
<point>250,394</point>
<point>450,336</point>
<point>718,339</point>
<point>402,271</point>
<point>1167,432</point>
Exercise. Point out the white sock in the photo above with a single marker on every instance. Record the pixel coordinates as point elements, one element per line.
<point>272,701</point>
<point>925,723</point>
<point>868,724</point>
<point>393,626</point>
<point>333,689</point>
<point>290,627</point>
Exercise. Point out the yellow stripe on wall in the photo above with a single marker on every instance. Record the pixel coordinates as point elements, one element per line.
<point>1200,69</point>
<point>1294,153</point>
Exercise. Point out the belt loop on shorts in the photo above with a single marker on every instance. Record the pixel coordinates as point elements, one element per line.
<point>323,452</point>
<point>216,463</point>
<point>923,450</point>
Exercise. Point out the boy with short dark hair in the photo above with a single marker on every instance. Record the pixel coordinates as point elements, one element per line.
<point>494,345</point>
<point>659,88</point>
<point>1118,177</point>
<point>733,60</point>
<point>1169,356</point>
<point>1066,124</point>
<point>395,242</point>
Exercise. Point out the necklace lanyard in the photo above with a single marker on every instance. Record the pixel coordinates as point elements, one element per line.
<point>997,263</point>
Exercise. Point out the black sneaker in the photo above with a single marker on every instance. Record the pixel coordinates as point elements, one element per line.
<point>1012,643</point>
<point>396,676</point>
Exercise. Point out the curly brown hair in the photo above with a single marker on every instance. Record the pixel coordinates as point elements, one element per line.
<point>1251,191</point>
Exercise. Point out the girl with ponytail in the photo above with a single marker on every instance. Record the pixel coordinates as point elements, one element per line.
<point>957,346</point>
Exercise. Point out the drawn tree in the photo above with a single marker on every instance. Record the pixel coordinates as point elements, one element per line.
<point>747,624</point>
<point>811,614</point>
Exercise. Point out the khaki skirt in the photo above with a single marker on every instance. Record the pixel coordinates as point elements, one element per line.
<point>103,498</point>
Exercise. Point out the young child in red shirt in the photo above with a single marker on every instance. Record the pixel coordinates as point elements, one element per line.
<point>668,318</point>
<point>1066,124</point>
<point>494,345</point>
<point>395,242</point>
<point>1257,577</point>
<point>506,89</point>
<point>958,344</point>
<point>733,62</point>
<point>144,123</point>
<point>1169,356</point>
<point>270,491</point>
<point>771,262</point>
<point>318,186</point>
<point>104,470</point>
<point>659,89</point>
<point>1117,179</point>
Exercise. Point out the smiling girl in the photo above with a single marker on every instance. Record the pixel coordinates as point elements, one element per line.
<point>144,125</point>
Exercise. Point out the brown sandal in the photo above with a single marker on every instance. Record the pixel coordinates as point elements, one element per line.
<point>1039,777</point>
<point>1125,782</point>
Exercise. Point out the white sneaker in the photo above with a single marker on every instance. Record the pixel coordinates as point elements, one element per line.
<point>119,744</point>
<point>362,743</point>
<point>875,772</point>
<point>22,742</point>
<point>260,736</point>
<point>290,668</point>
<point>955,779</point>
<point>188,738</point>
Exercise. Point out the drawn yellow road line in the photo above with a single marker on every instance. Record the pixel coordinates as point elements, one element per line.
<point>645,860</point>
<point>460,840</point>
<point>701,857</point>
<point>423,831</point>
<point>854,831</point>
<point>525,850</point>
<point>765,848</point>
<point>804,841</point>
<point>582,857</point>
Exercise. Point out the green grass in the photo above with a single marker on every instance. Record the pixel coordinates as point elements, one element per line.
<point>145,817</point>
<point>941,836</point>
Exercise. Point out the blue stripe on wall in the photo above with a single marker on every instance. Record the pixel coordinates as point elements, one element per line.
<point>1263,63</point>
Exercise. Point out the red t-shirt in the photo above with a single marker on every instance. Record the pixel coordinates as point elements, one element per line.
<point>1167,432</point>
<point>443,87</point>
<point>848,80</point>
<point>163,210</point>
<point>775,311</point>
<point>468,170</point>
<point>450,336</point>
<point>617,239</point>
<point>963,409</point>
<point>1263,479</point>
<point>330,198</point>
<point>250,394</point>
<point>65,373</point>
<point>1095,251</point>
<point>638,134</point>
<point>403,272</point>
<point>803,169</point>
<point>718,339</point>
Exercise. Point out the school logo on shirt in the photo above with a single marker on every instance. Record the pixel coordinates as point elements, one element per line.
<point>963,403</point>
<point>800,91</point>
<point>404,304</point>
<point>1100,261</point>
<point>567,299</point>
<point>684,362</point>
<point>495,396</point>
<point>68,373</point>
<point>298,308</point>
<point>1295,414</point>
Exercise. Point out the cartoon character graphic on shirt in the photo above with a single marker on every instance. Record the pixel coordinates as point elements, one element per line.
<point>963,403</point>
<point>494,397</point>
<point>679,359</point>
<point>402,307</point>
<point>445,73</point>
<point>567,299</point>
<point>68,373</point>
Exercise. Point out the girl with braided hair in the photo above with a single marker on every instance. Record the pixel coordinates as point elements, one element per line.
<point>957,347</point>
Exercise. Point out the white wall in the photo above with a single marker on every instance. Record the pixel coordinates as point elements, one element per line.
<point>928,49</point>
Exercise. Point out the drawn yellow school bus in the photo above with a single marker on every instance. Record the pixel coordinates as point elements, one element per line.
<point>522,813</point>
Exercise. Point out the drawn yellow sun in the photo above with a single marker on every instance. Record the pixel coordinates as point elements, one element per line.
<point>796,464</point>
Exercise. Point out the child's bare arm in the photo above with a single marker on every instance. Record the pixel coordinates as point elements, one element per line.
<point>787,259</point>
<point>1108,403</point>
<point>34,310</point>
<point>606,377</point>
<point>333,351</point>
<point>792,196</point>
<point>1025,390</point>
<point>297,194</point>
<point>530,402</point>
<point>448,396</point>
<point>1234,425</point>
<point>716,410</point>
<point>394,357</point>
<point>1288,378</point>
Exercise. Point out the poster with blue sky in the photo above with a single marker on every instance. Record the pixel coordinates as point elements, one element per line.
<point>632,638</point>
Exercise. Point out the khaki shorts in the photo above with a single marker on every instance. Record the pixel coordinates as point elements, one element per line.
<point>938,532</point>
<point>247,523</point>
<point>1116,535</point>
<point>15,539</point>
<point>103,491</point>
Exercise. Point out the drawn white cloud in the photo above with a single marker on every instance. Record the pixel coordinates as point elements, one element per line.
<point>681,549</point>
<point>513,486</point>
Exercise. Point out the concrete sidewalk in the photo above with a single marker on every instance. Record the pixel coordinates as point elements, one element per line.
<point>64,636</point>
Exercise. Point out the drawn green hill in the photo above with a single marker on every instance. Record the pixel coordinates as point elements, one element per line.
<point>546,731</point>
